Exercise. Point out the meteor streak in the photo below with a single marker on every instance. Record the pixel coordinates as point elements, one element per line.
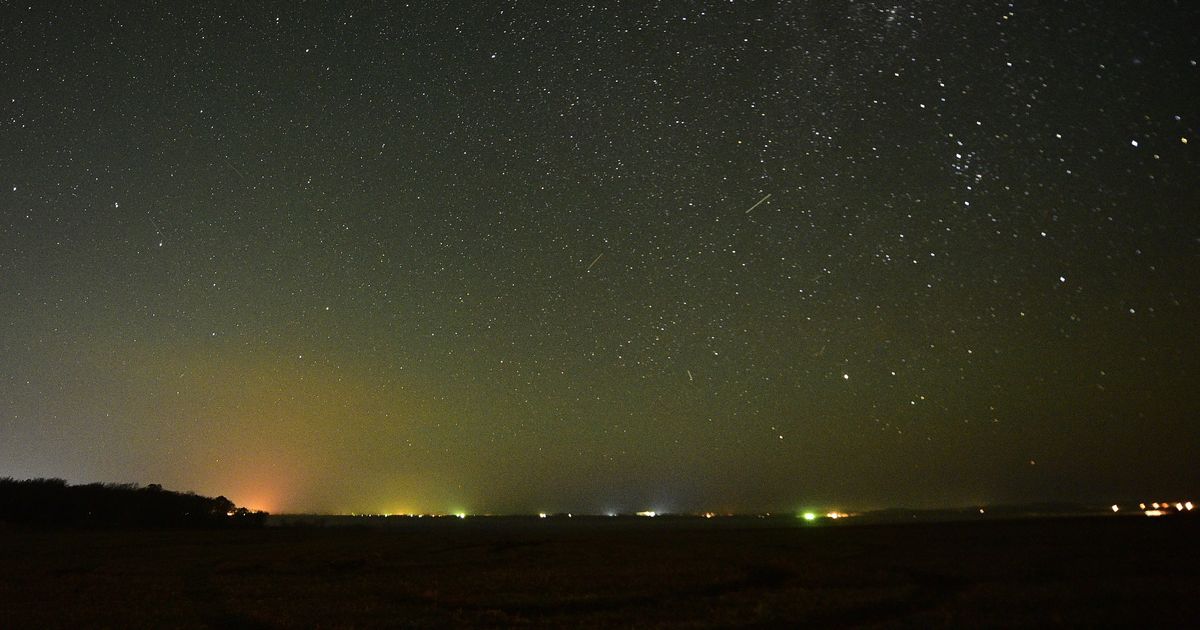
<point>759,203</point>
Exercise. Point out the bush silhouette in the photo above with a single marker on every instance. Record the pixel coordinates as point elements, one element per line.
<point>54,502</point>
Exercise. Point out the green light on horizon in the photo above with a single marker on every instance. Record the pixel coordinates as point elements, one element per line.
<point>809,516</point>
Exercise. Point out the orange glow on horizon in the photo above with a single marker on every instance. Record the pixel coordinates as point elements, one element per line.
<point>258,504</point>
<point>266,486</point>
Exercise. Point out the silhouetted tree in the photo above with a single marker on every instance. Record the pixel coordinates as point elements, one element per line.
<point>54,502</point>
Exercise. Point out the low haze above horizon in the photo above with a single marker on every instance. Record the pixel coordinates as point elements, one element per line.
<point>515,257</point>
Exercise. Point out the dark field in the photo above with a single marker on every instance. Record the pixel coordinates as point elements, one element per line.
<point>1082,571</point>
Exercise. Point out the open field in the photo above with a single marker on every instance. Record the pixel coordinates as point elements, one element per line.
<point>1082,571</point>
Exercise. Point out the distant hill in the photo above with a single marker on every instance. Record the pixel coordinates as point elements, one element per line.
<point>54,502</point>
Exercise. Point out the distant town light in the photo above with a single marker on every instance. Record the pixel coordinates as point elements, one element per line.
<point>1154,512</point>
<point>461,515</point>
<point>649,513</point>
<point>1116,508</point>
<point>1188,505</point>
<point>541,515</point>
<point>1178,507</point>
<point>809,516</point>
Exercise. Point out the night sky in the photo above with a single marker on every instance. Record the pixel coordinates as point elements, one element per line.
<point>510,257</point>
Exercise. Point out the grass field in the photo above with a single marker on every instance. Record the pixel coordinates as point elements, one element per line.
<point>1081,571</point>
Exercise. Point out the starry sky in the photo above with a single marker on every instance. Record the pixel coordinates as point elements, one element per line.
<point>519,256</point>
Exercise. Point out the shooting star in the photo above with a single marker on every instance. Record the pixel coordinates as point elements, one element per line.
<point>760,201</point>
<point>157,232</point>
<point>593,263</point>
<point>235,170</point>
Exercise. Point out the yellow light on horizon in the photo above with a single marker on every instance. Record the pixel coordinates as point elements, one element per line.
<point>648,513</point>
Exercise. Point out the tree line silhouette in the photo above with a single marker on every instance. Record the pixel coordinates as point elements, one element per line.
<point>54,502</point>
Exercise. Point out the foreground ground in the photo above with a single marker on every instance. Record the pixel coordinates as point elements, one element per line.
<point>1094,571</point>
